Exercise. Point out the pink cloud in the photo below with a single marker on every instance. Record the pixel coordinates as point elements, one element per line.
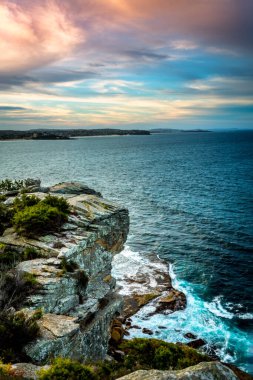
<point>34,35</point>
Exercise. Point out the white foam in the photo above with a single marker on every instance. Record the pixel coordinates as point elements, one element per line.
<point>245,316</point>
<point>135,273</point>
<point>207,320</point>
<point>218,309</point>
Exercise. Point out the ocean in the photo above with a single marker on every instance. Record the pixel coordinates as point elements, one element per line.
<point>190,197</point>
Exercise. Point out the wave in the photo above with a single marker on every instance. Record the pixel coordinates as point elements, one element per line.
<point>207,320</point>
<point>218,309</point>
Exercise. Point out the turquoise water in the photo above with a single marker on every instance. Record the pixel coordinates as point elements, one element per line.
<point>190,201</point>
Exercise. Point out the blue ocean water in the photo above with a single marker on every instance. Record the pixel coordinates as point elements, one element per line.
<point>190,197</point>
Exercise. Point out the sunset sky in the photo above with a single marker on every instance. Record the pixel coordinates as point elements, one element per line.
<point>126,63</point>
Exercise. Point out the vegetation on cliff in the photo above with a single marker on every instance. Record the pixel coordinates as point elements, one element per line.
<point>136,354</point>
<point>16,330</point>
<point>32,217</point>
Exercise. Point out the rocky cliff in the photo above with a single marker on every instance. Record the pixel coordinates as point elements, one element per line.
<point>75,289</point>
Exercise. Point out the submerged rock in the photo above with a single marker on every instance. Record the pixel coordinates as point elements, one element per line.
<point>202,371</point>
<point>174,300</point>
<point>197,343</point>
<point>189,335</point>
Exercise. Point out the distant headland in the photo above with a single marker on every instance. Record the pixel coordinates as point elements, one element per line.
<point>62,134</point>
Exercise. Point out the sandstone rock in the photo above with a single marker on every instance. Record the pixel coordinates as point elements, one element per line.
<point>202,371</point>
<point>135,302</point>
<point>172,301</point>
<point>117,331</point>
<point>72,188</point>
<point>148,280</point>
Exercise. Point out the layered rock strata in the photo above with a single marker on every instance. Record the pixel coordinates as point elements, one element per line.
<point>75,291</point>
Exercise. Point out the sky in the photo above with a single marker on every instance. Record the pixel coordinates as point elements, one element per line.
<point>126,64</point>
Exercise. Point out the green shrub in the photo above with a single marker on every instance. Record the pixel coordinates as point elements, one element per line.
<point>139,354</point>
<point>5,217</point>
<point>38,220</point>
<point>58,202</point>
<point>30,253</point>
<point>15,289</point>
<point>66,369</point>
<point>15,185</point>
<point>154,353</point>
<point>9,257</point>
<point>25,201</point>
<point>9,185</point>
<point>15,332</point>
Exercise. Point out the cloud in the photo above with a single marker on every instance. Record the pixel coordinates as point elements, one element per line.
<point>34,34</point>
<point>11,108</point>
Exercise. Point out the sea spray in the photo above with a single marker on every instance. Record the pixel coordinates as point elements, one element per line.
<point>207,320</point>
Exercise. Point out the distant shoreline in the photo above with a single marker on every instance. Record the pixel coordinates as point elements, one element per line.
<point>53,134</point>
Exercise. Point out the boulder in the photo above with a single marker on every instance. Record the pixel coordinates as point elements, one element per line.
<point>147,331</point>
<point>197,343</point>
<point>189,335</point>
<point>76,188</point>
<point>26,370</point>
<point>174,300</point>
<point>202,371</point>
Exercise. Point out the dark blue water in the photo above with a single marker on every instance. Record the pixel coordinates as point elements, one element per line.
<point>190,197</point>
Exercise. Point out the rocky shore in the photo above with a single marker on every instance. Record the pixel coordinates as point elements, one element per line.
<point>80,302</point>
<point>85,288</point>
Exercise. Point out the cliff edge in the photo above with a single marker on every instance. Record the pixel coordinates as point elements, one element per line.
<point>74,286</point>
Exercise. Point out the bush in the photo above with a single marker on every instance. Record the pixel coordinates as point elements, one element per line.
<point>139,354</point>
<point>154,353</point>
<point>59,202</point>
<point>5,217</point>
<point>9,257</point>
<point>38,220</point>
<point>66,369</point>
<point>15,332</point>
<point>15,289</point>
<point>15,185</point>
<point>25,201</point>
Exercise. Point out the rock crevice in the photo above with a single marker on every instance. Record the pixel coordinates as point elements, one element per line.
<point>75,289</point>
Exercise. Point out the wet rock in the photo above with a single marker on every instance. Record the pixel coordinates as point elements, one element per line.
<point>174,300</point>
<point>190,336</point>
<point>147,280</point>
<point>135,302</point>
<point>147,331</point>
<point>202,371</point>
<point>196,343</point>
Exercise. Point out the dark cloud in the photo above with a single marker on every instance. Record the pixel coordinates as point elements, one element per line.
<point>11,108</point>
<point>145,55</point>
<point>44,77</point>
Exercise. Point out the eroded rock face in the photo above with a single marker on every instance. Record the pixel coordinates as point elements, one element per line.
<point>202,371</point>
<point>75,288</point>
<point>146,282</point>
